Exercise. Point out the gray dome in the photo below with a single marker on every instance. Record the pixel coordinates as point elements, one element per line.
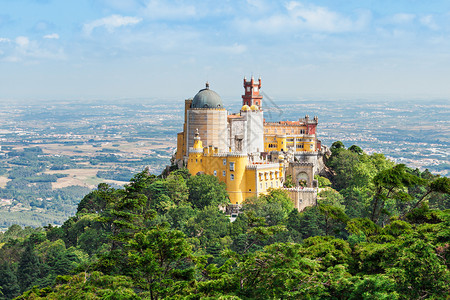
<point>207,98</point>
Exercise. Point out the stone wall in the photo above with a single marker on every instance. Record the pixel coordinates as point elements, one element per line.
<point>255,131</point>
<point>301,171</point>
<point>237,133</point>
<point>212,126</point>
<point>302,197</point>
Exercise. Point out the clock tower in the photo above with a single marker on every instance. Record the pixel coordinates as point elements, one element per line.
<point>252,96</point>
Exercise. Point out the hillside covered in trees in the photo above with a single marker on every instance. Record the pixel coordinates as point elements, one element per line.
<point>379,231</point>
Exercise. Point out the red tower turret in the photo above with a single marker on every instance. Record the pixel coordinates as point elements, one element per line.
<point>252,96</point>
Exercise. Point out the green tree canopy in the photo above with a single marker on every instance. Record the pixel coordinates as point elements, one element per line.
<point>206,190</point>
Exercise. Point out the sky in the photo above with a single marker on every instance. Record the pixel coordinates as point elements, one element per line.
<point>124,49</point>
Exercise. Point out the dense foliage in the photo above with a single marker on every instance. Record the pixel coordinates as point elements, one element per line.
<point>379,231</point>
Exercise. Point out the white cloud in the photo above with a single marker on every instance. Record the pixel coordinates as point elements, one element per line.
<point>54,36</point>
<point>22,41</point>
<point>298,16</point>
<point>429,22</point>
<point>31,51</point>
<point>4,40</point>
<point>110,23</point>
<point>317,18</point>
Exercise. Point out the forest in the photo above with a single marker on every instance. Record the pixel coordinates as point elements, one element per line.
<point>380,230</point>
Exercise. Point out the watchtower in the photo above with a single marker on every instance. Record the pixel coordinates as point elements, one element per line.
<point>252,96</point>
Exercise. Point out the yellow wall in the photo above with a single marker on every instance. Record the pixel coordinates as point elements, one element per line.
<point>309,146</point>
<point>268,178</point>
<point>284,142</point>
<point>281,141</point>
<point>195,163</point>
<point>180,145</point>
<point>251,182</point>
<point>282,133</point>
<point>181,137</point>
<point>244,182</point>
<point>270,143</point>
<point>237,187</point>
<point>209,164</point>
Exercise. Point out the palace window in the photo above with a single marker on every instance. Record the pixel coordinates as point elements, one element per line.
<point>224,162</point>
<point>231,166</point>
<point>224,173</point>
<point>215,173</point>
<point>232,176</point>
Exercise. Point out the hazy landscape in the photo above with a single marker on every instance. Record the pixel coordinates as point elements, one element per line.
<point>53,153</point>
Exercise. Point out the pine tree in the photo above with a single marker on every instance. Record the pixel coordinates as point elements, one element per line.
<point>9,286</point>
<point>28,270</point>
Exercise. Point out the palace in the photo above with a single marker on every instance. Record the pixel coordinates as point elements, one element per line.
<point>247,153</point>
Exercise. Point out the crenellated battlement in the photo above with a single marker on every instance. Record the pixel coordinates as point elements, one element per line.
<point>262,166</point>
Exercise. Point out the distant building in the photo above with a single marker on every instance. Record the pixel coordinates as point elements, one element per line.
<point>250,155</point>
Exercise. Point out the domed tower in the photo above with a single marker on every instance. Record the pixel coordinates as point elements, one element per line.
<point>207,98</point>
<point>208,115</point>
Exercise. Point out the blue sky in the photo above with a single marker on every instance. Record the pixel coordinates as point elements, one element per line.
<point>114,49</point>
